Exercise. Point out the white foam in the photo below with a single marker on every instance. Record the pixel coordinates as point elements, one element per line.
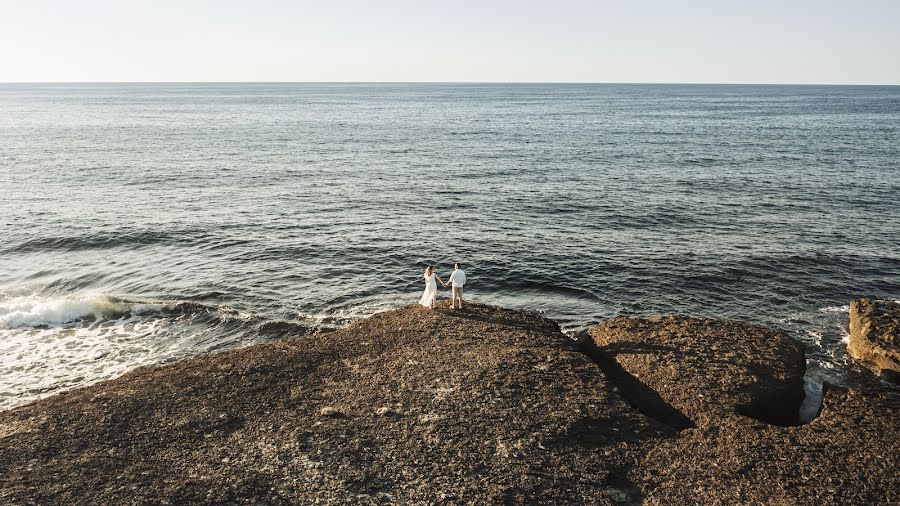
<point>343,316</point>
<point>815,336</point>
<point>835,309</point>
<point>47,346</point>
<point>33,310</point>
<point>42,361</point>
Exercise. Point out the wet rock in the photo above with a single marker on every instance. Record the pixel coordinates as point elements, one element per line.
<point>875,336</point>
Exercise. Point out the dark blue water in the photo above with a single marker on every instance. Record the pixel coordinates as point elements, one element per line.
<point>145,223</point>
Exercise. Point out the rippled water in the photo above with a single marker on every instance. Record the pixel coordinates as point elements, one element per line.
<point>145,223</point>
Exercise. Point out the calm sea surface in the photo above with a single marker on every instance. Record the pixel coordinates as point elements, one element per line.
<point>140,224</point>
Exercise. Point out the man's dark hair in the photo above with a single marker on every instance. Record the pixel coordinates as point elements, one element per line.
<point>457,265</point>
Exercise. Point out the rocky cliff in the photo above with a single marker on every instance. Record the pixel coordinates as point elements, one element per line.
<point>875,336</point>
<point>484,405</point>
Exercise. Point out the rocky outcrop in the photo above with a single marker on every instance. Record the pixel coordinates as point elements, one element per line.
<point>704,370</point>
<point>740,387</point>
<point>875,336</point>
<point>847,455</point>
<point>407,407</point>
<point>484,405</point>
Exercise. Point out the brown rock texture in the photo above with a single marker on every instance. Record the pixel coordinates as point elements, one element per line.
<point>706,370</point>
<point>848,455</point>
<point>875,336</point>
<point>740,387</point>
<point>479,406</point>
<point>412,406</point>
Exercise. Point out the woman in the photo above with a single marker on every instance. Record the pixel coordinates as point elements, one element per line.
<point>431,279</point>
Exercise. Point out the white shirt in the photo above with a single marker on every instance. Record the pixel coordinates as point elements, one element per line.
<point>458,278</point>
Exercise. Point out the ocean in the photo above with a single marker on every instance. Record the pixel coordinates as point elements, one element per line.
<point>145,223</point>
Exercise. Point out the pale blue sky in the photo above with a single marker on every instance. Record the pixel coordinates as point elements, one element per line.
<point>762,41</point>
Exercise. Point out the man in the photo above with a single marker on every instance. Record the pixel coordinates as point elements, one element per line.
<point>457,280</point>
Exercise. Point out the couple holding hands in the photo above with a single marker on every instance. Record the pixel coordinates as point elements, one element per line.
<point>457,280</point>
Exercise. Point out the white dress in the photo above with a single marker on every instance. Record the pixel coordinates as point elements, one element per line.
<point>430,290</point>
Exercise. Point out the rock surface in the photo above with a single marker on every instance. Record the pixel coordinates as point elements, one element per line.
<point>705,370</point>
<point>740,386</point>
<point>875,336</point>
<point>848,455</point>
<point>484,405</point>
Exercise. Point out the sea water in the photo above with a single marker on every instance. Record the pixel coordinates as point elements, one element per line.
<point>144,223</point>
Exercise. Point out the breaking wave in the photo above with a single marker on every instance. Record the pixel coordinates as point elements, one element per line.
<point>37,310</point>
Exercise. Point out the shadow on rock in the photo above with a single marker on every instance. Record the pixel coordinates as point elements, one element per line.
<point>642,397</point>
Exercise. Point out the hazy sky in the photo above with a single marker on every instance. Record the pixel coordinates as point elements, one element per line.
<point>753,41</point>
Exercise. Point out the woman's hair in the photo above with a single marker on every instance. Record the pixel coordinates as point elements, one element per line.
<point>429,268</point>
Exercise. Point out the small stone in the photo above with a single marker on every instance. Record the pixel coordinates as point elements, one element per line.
<point>384,411</point>
<point>616,495</point>
<point>328,411</point>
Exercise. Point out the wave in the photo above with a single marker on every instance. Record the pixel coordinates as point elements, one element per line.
<point>835,309</point>
<point>36,310</point>
<point>128,238</point>
<point>54,342</point>
<point>94,241</point>
<point>53,310</point>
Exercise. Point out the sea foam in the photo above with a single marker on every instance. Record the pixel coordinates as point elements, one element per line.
<point>51,343</point>
<point>33,310</point>
<point>835,309</point>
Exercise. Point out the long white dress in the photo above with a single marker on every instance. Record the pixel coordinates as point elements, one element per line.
<point>430,290</point>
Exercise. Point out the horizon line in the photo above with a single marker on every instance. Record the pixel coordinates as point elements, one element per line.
<point>695,83</point>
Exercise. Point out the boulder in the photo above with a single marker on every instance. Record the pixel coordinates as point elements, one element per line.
<point>734,390</point>
<point>697,371</point>
<point>875,336</point>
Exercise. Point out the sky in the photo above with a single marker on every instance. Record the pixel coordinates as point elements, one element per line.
<point>653,41</point>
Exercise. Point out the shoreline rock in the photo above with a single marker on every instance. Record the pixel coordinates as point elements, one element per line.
<point>704,369</point>
<point>484,405</point>
<point>741,387</point>
<point>487,405</point>
<point>875,336</point>
<point>847,455</point>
